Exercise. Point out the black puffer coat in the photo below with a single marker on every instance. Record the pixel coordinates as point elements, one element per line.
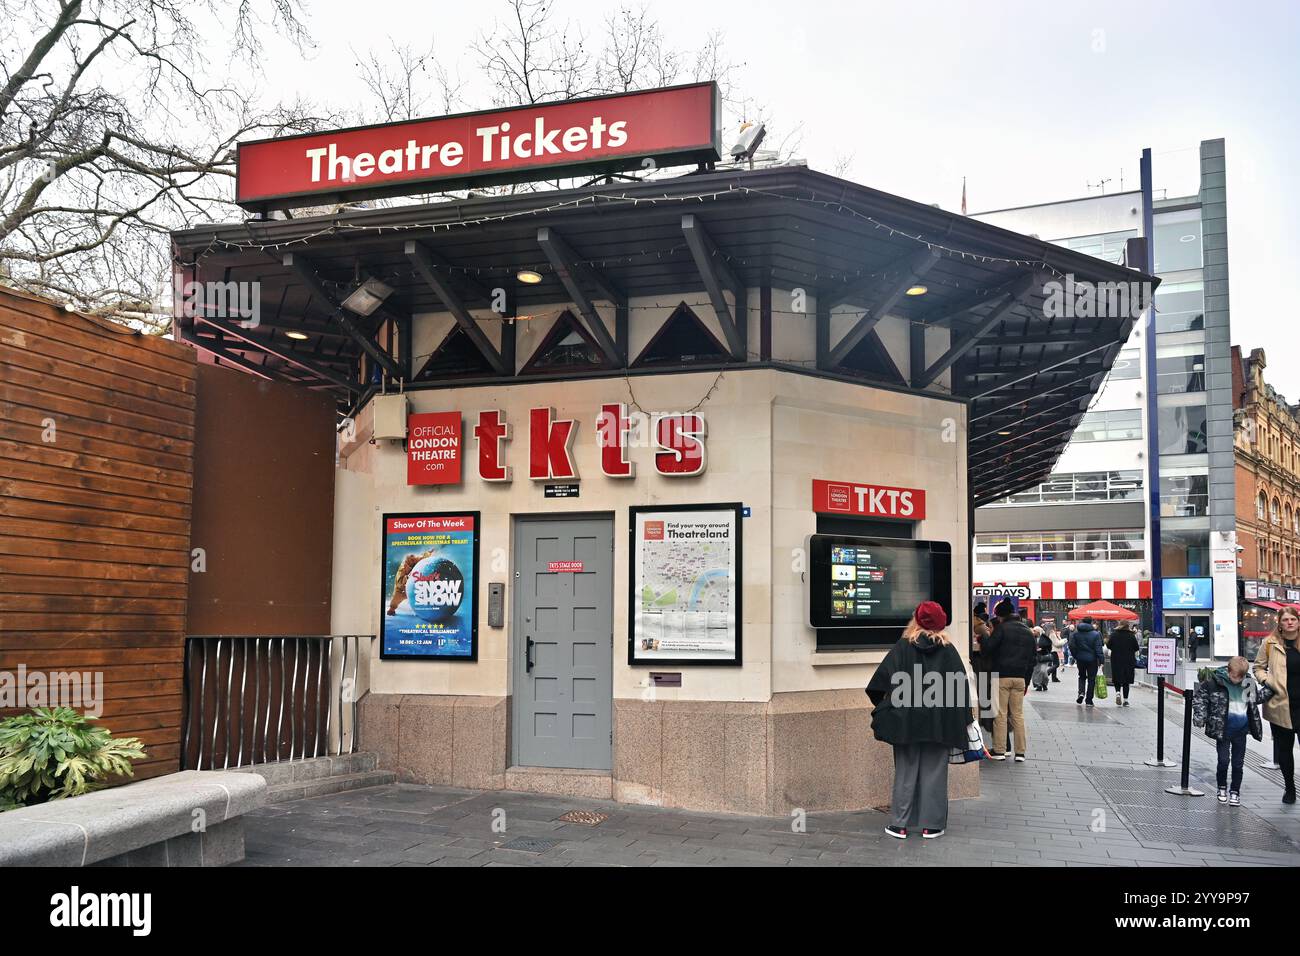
<point>1012,649</point>
<point>1087,646</point>
<point>921,695</point>
<point>1123,656</point>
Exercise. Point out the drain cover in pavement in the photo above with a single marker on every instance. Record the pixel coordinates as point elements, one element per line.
<point>1158,817</point>
<point>530,844</point>
<point>588,818</point>
<point>1071,713</point>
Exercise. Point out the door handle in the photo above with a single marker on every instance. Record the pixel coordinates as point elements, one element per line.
<point>528,655</point>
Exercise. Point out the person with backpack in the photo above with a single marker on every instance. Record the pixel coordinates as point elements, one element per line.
<point>1226,704</point>
<point>1011,648</point>
<point>1089,652</point>
<point>922,731</point>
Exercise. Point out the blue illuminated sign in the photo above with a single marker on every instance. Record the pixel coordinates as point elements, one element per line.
<point>1195,594</point>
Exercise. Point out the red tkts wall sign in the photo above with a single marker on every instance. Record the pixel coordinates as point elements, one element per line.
<point>433,445</point>
<point>604,133</point>
<point>876,501</point>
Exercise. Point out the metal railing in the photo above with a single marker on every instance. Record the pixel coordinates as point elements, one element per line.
<point>253,700</point>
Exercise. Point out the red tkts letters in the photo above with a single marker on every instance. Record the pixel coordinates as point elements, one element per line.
<point>550,445</point>
<point>491,431</point>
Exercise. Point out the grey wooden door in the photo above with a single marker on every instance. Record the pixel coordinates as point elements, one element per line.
<point>562,634</point>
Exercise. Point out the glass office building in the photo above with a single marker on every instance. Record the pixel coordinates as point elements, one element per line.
<point>1110,523</point>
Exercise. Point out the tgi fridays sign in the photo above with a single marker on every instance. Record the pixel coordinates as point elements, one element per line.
<point>669,126</point>
<point>871,501</point>
<point>434,446</point>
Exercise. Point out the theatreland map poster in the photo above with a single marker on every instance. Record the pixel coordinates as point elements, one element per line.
<point>430,575</point>
<point>685,579</point>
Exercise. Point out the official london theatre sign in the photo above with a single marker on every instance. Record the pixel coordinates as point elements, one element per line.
<point>874,501</point>
<point>669,126</point>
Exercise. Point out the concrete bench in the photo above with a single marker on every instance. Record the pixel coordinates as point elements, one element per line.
<point>192,818</point>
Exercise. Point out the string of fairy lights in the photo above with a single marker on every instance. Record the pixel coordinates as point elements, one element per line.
<point>837,206</point>
<point>336,228</point>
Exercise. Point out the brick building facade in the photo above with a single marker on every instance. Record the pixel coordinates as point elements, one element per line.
<point>1267,443</point>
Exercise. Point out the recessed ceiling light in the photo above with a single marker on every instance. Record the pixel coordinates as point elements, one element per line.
<point>528,276</point>
<point>300,336</point>
<point>917,290</point>
<point>1004,433</point>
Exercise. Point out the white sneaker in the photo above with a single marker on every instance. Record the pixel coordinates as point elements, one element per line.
<point>1223,794</point>
<point>1020,758</point>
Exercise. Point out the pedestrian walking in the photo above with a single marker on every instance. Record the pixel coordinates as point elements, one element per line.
<point>981,629</point>
<point>1277,670</point>
<point>1088,652</point>
<point>1043,659</point>
<point>1123,662</point>
<point>1058,649</point>
<point>922,731</point>
<point>1011,646</point>
<point>1226,705</point>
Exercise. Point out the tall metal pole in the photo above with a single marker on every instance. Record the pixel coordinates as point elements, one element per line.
<point>1153,409</point>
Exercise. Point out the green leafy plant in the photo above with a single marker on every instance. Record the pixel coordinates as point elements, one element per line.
<point>53,753</point>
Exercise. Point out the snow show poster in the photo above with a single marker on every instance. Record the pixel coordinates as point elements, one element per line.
<point>686,587</point>
<point>430,587</point>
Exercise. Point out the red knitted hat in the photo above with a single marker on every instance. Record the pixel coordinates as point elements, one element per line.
<point>931,617</point>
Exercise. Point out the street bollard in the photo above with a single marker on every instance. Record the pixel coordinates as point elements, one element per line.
<point>1185,789</point>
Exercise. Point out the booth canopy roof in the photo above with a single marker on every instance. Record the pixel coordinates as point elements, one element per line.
<point>1027,378</point>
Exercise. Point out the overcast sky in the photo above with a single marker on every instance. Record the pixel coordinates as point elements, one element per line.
<point>1030,101</point>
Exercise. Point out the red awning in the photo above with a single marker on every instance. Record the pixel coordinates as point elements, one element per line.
<point>1271,605</point>
<point>1102,611</point>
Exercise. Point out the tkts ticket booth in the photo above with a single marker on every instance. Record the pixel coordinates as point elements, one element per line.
<point>639,479</point>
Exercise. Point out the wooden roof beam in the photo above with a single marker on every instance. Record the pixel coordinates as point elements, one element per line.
<point>574,274</point>
<point>883,299</point>
<point>966,342</point>
<point>234,330</point>
<point>718,276</point>
<point>427,266</point>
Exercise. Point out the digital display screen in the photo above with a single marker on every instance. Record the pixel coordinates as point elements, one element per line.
<point>867,588</point>
<point>1182,593</point>
<point>870,583</point>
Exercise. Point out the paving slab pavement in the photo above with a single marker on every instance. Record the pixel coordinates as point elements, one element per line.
<point>1083,798</point>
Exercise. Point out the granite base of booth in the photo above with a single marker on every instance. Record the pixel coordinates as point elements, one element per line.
<point>438,739</point>
<point>811,750</point>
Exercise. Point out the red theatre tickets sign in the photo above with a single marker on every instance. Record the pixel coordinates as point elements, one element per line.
<point>875,501</point>
<point>433,447</point>
<point>675,125</point>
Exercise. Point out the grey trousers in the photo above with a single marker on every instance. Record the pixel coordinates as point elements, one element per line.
<point>920,786</point>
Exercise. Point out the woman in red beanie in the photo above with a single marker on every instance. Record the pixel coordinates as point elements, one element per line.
<point>922,706</point>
